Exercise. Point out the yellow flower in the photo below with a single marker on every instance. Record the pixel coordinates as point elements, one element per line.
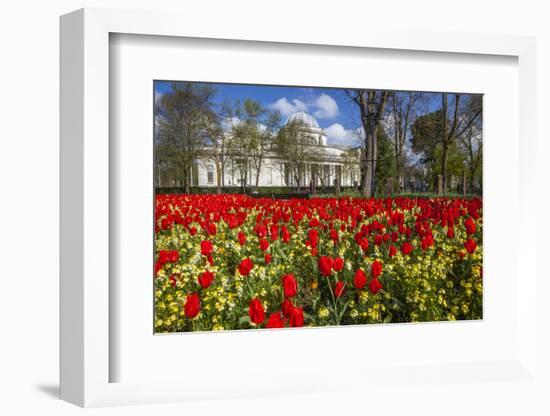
<point>323,312</point>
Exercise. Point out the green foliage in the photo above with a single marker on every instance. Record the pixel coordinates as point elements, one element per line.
<point>427,131</point>
<point>252,136</point>
<point>385,166</point>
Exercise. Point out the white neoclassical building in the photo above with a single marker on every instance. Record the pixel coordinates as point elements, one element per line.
<point>326,164</point>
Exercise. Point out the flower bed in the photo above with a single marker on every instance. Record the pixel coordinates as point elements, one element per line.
<point>235,262</point>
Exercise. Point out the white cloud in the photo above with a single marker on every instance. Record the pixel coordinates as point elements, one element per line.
<point>326,106</point>
<point>337,134</point>
<point>322,106</point>
<point>228,123</point>
<point>286,107</point>
<point>158,96</point>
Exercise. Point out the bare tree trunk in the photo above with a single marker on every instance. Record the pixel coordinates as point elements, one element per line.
<point>337,180</point>
<point>366,180</point>
<point>444,162</point>
<point>218,178</point>
<point>471,179</point>
<point>374,159</point>
<point>448,136</point>
<point>258,171</point>
<point>396,139</point>
<point>185,177</point>
<point>369,158</point>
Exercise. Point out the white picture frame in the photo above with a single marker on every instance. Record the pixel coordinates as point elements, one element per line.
<point>85,354</point>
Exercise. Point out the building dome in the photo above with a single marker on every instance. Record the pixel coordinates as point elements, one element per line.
<point>304,118</point>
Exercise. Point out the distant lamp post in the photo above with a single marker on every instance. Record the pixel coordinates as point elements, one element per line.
<point>372,120</point>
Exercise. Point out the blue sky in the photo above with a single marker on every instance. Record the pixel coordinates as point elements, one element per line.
<point>333,110</point>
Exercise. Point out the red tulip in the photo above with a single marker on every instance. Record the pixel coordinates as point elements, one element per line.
<point>325,265</point>
<point>205,279</point>
<point>212,229</point>
<point>242,238</point>
<point>264,244</point>
<point>275,320</point>
<point>427,242</point>
<point>256,311</point>
<point>267,258</point>
<point>364,243</point>
<point>376,268</point>
<point>174,256</point>
<point>192,305</point>
<point>470,226</point>
<point>406,248</point>
<point>313,236</point>
<point>393,251</point>
<point>287,307</point>
<point>290,287</point>
<point>245,267</point>
<point>360,279</point>
<point>261,230</point>
<point>206,248</point>
<point>285,235</point>
<point>470,245</point>
<point>375,286</point>
<point>338,264</point>
<point>296,317</point>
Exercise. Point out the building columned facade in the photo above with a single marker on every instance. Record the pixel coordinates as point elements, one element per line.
<point>321,165</point>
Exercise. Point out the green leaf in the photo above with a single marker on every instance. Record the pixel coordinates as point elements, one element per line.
<point>309,317</point>
<point>244,320</point>
<point>343,311</point>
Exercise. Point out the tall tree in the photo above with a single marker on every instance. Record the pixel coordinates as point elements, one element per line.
<point>401,116</point>
<point>385,167</point>
<point>182,119</point>
<point>471,143</point>
<point>456,119</point>
<point>435,135</point>
<point>426,132</point>
<point>253,135</point>
<point>216,150</point>
<point>371,105</point>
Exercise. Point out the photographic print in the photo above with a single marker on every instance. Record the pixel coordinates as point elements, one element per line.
<point>295,206</point>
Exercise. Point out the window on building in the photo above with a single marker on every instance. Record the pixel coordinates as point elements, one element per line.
<point>210,174</point>
<point>269,176</point>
